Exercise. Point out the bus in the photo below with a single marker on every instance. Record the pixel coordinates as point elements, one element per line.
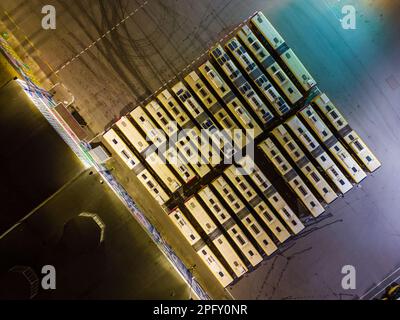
<point>256,202</point>
<point>318,153</point>
<point>132,134</point>
<point>120,148</point>
<point>216,207</point>
<point>162,118</point>
<point>244,87</point>
<point>257,75</point>
<point>229,98</point>
<point>291,177</point>
<point>245,246</point>
<point>163,172</point>
<point>216,81</point>
<point>219,240</point>
<point>334,146</point>
<point>187,229</point>
<point>275,40</point>
<point>248,220</point>
<point>201,90</point>
<point>348,135</point>
<point>269,64</point>
<point>304,164</point>
<point>271,194</point>
<point>153,133</point>
<point>230,255</point>
<point>173,107</point>
<point>157,192</point>
<point>204,252</point>
<point>215,266</point>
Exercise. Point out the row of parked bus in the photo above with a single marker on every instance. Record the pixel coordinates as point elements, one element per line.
<point>252,57</point>
<point>291,177</point>
<point>236,202</point>
<point>229,98</point>
<point>133,163</point>
<point>253,53</point>
<point>336,177</point>
<point>239,215</point>
<point>339,172</point>
<point>349,137</point>
<point>147,130</point>
<point>272,38</point>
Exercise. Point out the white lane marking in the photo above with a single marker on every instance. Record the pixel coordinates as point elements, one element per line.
<point>101,37</point>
